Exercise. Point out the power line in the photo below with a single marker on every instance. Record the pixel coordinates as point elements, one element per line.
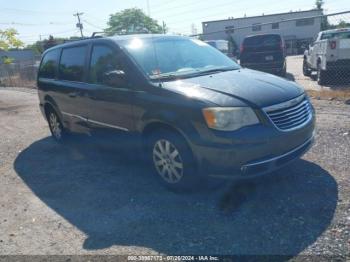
<point>165,3</point>
<point>95,18</point>
<point>185,5</point>
<point>93,25</point>
<point>280,21</point>
<point>30,11</point>
<point>54,33</point>
<point>206,18</point>
<point>29,24</point>
<point>216,14</point>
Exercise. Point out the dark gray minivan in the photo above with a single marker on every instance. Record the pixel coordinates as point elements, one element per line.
<point>264,52</point>
<point>194,112</point>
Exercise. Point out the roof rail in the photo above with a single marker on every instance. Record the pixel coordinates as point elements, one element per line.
<point>73,40</point>
<point>97,34</point>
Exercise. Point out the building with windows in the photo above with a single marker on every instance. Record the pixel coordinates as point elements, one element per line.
<point>297,28</point>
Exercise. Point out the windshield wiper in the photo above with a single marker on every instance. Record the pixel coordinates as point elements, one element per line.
<point>171,76</point>
<point>217,70</point>
<point>165,77</point>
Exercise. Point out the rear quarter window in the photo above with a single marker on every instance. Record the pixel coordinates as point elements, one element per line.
<point>48,67</point>
<point>72,63</point>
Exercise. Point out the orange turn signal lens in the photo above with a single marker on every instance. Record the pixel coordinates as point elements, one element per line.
<point>209,116</point>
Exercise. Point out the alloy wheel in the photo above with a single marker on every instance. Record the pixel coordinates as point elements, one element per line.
<point>167,161</point>
<point>55,126</point>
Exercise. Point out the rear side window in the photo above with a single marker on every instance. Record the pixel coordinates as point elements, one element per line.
<point>72,63</point>
<point>103,60</point>
<point>263,40</point>
<point>48,67</point>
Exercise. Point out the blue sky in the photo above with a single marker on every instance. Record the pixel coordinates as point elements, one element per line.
<point>42,17</point>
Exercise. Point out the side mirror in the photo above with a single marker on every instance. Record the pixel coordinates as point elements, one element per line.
<point>115,78</point>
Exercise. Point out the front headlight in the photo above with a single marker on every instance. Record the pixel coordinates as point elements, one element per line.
<point>229,118</point>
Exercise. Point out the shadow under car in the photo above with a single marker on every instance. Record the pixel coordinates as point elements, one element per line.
<point>114,199</point>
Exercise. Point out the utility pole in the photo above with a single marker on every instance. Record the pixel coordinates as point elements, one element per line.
<point>79,24</point>
<point>164,28</point>
<point>148,9</point>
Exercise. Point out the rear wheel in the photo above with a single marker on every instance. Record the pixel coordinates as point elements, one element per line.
<point>283,72</point>
<point>306,69</point>
<point>173,161</point>
<point>321,75</point>
<point>55,125</point>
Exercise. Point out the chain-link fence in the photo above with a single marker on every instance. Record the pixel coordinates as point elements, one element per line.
<point>316,46</point>
<point>21,74</point>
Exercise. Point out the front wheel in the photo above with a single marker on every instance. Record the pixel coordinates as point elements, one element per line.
<point>306,69</point>
<point>173,161</point>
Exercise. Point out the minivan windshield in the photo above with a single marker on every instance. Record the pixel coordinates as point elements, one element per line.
<point>175,57</point>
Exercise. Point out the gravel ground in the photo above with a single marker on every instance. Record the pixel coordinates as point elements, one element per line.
<point>82,198</point>
<point>295,72</point>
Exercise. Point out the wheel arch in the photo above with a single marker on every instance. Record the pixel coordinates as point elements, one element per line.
<point>155,126</point>
<point>319,61</point>
<point>50,104</point>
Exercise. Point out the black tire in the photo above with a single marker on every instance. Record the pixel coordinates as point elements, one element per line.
<point>163,165</point>
<point>306,69</point>
<point>57,130</point>
<point>322,76</point>
<point>283,72</point>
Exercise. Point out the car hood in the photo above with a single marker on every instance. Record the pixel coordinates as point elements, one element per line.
<point>251,87</point>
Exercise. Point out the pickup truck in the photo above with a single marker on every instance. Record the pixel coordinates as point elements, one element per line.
<point>328,55</point>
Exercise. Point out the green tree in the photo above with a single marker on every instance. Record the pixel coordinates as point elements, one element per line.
<point>324,23</point>
<point>40,46</point>
<point>8,39</point>
<point>324,20</point>
<point>131,21</point>
<point>342,24</point>
<point>319,4</point>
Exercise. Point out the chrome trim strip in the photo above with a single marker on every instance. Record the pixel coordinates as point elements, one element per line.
<point>289,111</point>
<point>310,140</point>
<point>284,104</point>
<point>107,125</point>
<point>305,104</point>
<point>95,122</point>
<point>77,116</point>
<point>307,121</point>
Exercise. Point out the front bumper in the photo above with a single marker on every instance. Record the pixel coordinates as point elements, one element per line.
<point>268,67</point>
<point>272,164</point>
<point>254,151</point>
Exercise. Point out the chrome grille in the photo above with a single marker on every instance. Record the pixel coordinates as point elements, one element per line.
<point>291,114</point>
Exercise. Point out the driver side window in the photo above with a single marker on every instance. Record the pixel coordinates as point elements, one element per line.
<point>104,60</point>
